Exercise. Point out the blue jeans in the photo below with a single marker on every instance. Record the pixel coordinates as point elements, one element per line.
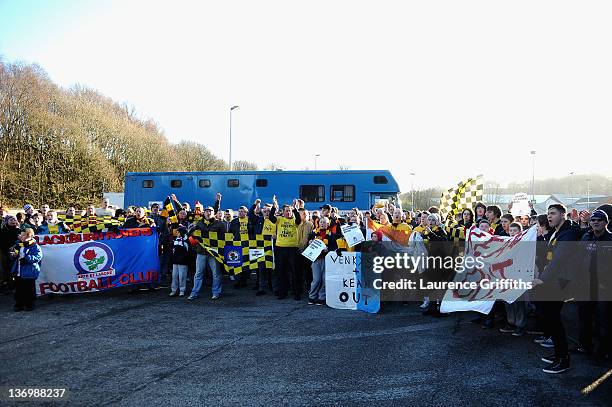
<point>201,261</point>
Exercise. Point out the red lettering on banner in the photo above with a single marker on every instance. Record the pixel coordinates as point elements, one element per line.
<point>82,285</point>
<point>124,279</point>
<point>43,288</point>
<point>146,232</point>
<point>93,284</point>
<point>112,235</point>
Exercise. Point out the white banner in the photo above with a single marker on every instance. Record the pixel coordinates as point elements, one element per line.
<point>500,264</point>
<point>340,280</point>
<point>78,263</point>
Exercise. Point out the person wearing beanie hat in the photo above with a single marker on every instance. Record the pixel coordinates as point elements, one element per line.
<point>600,215</point>
<point>607,208</point>
<point>596,263</point>
<point>29,210</point>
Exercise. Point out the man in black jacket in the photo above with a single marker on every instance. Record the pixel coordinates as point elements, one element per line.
<point>555,277</point>
<point>596,261</point>
<point>205,226</point>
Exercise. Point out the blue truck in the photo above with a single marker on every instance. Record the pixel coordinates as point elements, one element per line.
<point>343,189</point>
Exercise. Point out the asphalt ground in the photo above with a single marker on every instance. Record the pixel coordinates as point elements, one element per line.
<point>116,348</point>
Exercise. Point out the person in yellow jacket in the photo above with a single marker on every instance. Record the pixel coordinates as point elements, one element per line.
<point>286,248</point>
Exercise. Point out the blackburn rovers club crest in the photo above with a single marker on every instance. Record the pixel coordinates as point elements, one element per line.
<point>93,260</point>
<point>233,255</point>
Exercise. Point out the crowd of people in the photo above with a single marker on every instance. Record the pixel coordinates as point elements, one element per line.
<point>293,228</point>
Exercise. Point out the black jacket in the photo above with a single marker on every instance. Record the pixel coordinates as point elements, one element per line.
<point>205,227</point>
<point>234,228</point>
<point>561,255</point>
<point>499,229</point>
<point>256,221</point>
<point>596,266</point>
<point>8,237</point>
<point>180,250</point>
<point>132,223</point>
<point>541,246</point>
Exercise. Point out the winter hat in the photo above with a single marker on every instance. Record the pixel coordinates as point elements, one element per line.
<point>599,214</point>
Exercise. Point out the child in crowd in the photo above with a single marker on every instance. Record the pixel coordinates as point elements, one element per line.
<point>26,267</point>
<point>316,295</point>
<point>180,260</point>
<point>514,229</point>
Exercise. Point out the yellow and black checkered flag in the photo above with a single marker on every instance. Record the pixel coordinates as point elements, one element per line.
<point>256,252</point>
<point>464,195</point>
<point>171,209</point>
<point>90,224</point>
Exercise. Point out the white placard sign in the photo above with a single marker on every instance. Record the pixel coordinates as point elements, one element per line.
<point>352,234</point>
<point>314,249</point>
<point>520,205</point>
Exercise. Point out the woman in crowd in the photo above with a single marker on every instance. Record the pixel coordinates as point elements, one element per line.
<point>51,225</point>
<point>480,210</point>
<point>467,218</point>
<point>9,233</point>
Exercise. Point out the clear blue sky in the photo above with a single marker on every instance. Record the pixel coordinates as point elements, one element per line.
<point>444,89</point>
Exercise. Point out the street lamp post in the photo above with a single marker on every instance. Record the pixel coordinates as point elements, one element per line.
<point>315,157</point>
<point>588,194</point>
<point>230,134</point>
<point>412,174</point>
<point>533,153</point>
<point>572,186</point>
